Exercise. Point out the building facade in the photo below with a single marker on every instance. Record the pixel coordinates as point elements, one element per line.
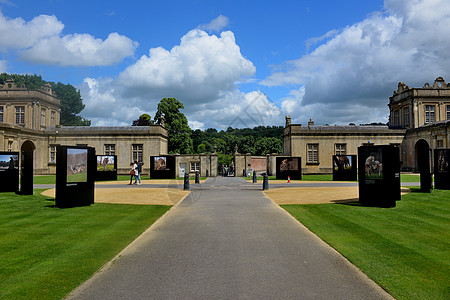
<point>30,120</point>
<point>419,122</point>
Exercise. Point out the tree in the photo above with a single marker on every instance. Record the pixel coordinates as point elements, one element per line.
<point>176,124</point>
<point>268,145</point>
<point>201,148</point>
<point>144,120</point>
<point>71,101</point>
<point>71,105</point>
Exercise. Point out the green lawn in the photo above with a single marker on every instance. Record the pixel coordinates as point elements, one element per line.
<point>46,252</point>
<point>404,249</point>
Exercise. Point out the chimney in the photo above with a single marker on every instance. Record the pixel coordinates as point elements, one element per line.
<point>311,122</point>
<point>288,120</point>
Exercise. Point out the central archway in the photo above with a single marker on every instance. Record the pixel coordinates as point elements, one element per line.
<point>422,156</point>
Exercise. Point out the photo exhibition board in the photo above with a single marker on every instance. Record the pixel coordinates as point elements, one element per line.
<point>9,171</point>
<point>26,173</point>
<point>442,169</point>
<point>379,175</point>
<point>162,167</point>
<point>75,174</point>
<point>289,167</point>
<point>106,167</point>
<point>344,168</point>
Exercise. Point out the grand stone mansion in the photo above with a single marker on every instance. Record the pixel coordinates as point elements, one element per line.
<point>419,120</point>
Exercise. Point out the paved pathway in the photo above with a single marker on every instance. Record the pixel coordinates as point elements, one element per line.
<point>227,241</point>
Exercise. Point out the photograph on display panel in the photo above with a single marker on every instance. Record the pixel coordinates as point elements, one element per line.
<point>77,165</point>
<point>443,160</point>
<point>374,165</point>
<point>105,163</point>
<point>342,162</point>
<point>160,163</point>
<point>289,164</point>
<point>9,161</point>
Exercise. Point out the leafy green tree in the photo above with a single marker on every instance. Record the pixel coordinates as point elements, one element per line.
<point>144,120</point>
<point>201,148</point>
<point>71,101</point>
<point>268,145</point>
<point>176,124</point>
<point>71,105</point>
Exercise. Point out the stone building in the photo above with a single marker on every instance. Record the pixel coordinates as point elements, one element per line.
<point>425,113</point>
<point>419,122</point>
<point>30,120</point>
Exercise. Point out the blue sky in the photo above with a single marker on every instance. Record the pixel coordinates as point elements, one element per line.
<point>232,63</point>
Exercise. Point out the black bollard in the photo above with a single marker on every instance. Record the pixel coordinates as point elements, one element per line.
<point>197,177</point>
<point>254,177</point>
<point>207,173</point>
<point>265,182</point>
<point>186,181</point>
<point>243,173</point>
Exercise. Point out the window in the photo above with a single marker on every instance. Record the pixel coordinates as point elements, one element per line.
<point>10,143</point>
<point>396,117</point>
<point>406,118</point>
<point>440,143</point>
<point>448,112</point>
<point>20,115</point>
<point>43,111</point>
<point>429,114</point>
<point>137,152</point>
<point>1,113</point>
<point>52,153</point>
<point>195,166</point>
<point>110,149</point>
<point>340,149</point>
<point>313,153</point>
<point>52,119</point>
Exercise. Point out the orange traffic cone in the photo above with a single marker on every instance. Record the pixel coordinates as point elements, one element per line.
<point>289,179</point>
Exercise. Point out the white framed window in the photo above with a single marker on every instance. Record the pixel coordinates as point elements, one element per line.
<point>52,118</point>
<point>110,149</point>
<point>10,145</point>
<point>43,111</point>
<point>195,166</point>
<point>396,117</point>
<point>137,152</point>
<point>406,117</point>
<point>313,153</point>
<point>52,153</point>
<point>1,114</point>
<point>20,115</point>
<point>340,149</point>
<point>429,114</point>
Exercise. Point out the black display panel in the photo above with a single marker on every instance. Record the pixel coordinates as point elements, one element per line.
<point>106,167</point>
<point>379,175</point>
<point>289,167</point>
<point>162,167</point>
<point>442,169</point>
<point>75,174</point>
<point>344,168</point>
<point>9,171</point>
<point>26,176</point>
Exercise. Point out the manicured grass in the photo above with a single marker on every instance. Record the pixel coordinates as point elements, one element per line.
<point>46,252</point>
<point>404,249</point>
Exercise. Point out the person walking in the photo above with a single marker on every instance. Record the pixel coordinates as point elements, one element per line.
<point>136,172</point>
<point>131,174</point>
<point>139,168</point>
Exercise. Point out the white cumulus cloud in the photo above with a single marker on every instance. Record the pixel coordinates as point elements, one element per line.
<point>81,50</point>
<point>215,25</point>
<point>196,71</point>
<point>352,74</point>
<point>19,34</point>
